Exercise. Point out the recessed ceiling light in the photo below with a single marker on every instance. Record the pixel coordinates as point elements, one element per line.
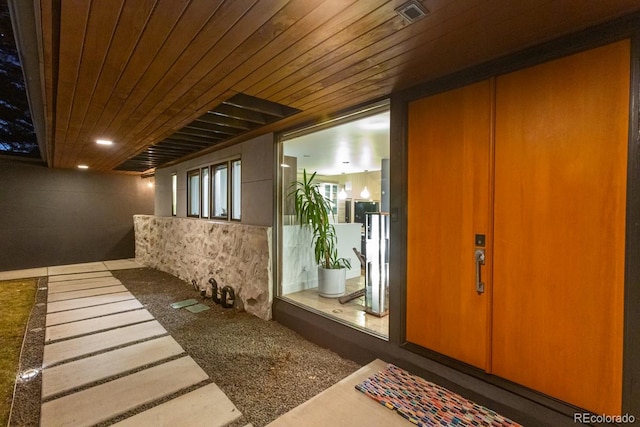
<point>83,167</point>
<point>104,142</point>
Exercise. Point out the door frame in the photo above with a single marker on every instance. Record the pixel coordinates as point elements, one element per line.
<point>626,27</point>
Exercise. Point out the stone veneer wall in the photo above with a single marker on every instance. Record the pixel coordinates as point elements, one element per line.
<point>234,254</point>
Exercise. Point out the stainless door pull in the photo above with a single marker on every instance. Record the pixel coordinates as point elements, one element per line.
<point>479,256</point>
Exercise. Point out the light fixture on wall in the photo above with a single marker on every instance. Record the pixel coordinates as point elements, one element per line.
<point>149,178</point>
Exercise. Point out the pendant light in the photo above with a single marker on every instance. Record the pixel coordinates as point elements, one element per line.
<point>342,194</point>
<point>365,192</point>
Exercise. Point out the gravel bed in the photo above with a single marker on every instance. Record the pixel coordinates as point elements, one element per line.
<point>263,367</point>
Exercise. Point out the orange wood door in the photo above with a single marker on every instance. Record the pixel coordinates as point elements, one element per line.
<point>559,226</point>
<point>448,204</point>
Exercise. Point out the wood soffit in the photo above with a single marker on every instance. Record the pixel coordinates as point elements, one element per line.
<point>166,79</point>
<point>233,117</point>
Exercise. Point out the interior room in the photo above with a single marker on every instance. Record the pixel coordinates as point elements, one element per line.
<point>350,160</point>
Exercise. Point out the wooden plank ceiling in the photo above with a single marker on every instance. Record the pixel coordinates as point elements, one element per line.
<point>138,71</point>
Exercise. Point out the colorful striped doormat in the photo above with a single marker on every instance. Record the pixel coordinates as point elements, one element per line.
<point>425,403</point>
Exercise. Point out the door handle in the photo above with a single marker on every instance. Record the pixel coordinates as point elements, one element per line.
<point>479,256</point>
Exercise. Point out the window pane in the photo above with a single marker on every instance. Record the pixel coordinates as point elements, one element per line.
<point>331,193</point>
<point>193,202</point>
<point>367,148</point>
<point>334,199</point>
<point>174,194</point>
<point>220,185</point>
<point>205,192</point>
<point>236,188</point>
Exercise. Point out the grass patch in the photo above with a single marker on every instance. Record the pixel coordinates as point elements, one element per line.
<point>16,300</point>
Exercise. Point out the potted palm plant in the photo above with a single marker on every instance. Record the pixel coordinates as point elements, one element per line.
<point>312,210</point>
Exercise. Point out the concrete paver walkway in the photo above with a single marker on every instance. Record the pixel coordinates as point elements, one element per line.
<point>89,312</point>
<point>105,355</point>
<point>75,285</point>
<point>107,400</point>
<point>188,410</point>
<point>79,276</point>
<point>74,374</point>
<point>82,293</point>
<point>53,307</point>
<point>82,327</point>
<point>89,344</point>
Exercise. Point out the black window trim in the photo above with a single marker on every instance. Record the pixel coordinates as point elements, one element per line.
<point>208,169</point>
<point>231,194</point>
<point>214,168</point>
<point>174,193</point>
<point>191,173</point>
<point>211,168</point>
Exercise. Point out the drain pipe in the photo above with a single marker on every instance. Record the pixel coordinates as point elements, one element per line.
<point>226,297</point>
<point>214,290</point>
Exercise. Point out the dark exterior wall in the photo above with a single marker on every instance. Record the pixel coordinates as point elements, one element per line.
<point>55,217</point>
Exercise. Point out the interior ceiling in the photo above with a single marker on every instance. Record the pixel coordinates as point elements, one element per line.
<point>137,71</point>
<point>352,147</point>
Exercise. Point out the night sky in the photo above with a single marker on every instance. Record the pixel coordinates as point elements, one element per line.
<point>16,128</point>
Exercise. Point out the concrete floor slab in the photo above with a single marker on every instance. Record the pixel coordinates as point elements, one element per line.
<point>68,330</point>
<point>79,276</point>
<point>86,293</point>
<point>82,372</point>
<point>73,304</point>
<point>122,264</point>
<point>87,267</point>
<point>76,347</point>
<point>23,274</point>
<point>121,395</point>
<point>347,405</point>
<point>78,285</point>
<point>90,312</point>
<point>207,406</point>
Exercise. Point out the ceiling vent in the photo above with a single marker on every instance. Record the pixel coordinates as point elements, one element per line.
<point>412,11</point>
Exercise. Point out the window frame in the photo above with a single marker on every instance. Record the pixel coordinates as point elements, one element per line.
<point>174,194</point>
<point>215,168</point>
<point>232,195</point>
<point>207,196</point>
<point>332,189</point>
<point>205,192</point>
<point>190,174</point>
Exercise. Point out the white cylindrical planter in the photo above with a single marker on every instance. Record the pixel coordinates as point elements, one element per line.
<point>331,282</point>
